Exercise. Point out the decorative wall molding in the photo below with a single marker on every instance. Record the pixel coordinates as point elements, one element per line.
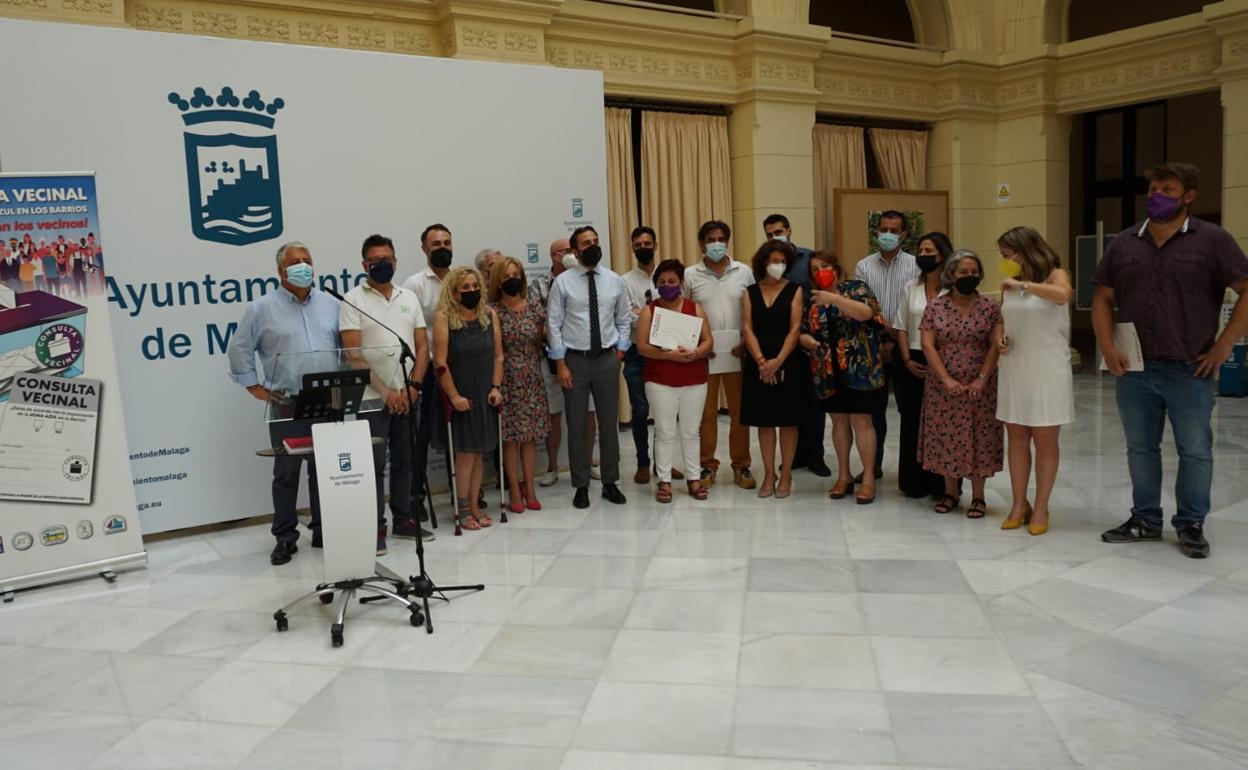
<point>319,33</point>
<point>370,38</point>
<point>158,18</point>
<point>268,28</point>
<point>95,7</point>
<point>214,23</point>
<point>36,4</point>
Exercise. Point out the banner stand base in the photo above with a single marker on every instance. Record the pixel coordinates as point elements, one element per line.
<point>104,568</point>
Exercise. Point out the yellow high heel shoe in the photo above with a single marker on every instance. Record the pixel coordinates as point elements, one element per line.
<point>1017,523</point>
<point>1038,529</point>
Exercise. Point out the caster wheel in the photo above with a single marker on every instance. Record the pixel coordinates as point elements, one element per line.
<point>417,619</point>
<point>335,635</point>
<point>280,618</point>
<point>326,598</point>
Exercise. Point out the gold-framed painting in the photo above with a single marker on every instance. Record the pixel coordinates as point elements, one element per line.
<point>857,213</point>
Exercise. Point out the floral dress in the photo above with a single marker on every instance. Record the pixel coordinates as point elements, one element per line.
<point>525,417</point>
<point>849,351</point>
<point>960,437</point>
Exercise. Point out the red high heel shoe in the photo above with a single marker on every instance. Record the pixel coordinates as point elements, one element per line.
<point>532,505</point>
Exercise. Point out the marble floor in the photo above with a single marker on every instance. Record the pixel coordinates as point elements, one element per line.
<point>726,635</point>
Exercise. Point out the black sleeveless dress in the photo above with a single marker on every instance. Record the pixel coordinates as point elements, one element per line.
<point>782,404</point>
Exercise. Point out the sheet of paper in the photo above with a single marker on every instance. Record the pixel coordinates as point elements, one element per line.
<point>670,330</point>
<point>724,341</point>
<point>47,439</point>
<point>1127,340</point>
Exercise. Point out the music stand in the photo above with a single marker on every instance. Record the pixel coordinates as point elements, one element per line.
<point>330,397</point>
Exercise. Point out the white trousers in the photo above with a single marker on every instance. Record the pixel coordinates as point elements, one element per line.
<point>668,406</point>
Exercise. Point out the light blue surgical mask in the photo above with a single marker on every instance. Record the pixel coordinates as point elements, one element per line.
<point>716,251</point>
<point>299,275</point>
<point>888,241</point>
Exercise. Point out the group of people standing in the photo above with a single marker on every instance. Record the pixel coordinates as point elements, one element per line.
<point>60,266</point>
<point>796,337</point>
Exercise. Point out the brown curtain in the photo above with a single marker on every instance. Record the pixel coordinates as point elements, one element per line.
<point>686,178</point>
<point>840,157</point>
<point>621,187</point>
<point>902,157</point>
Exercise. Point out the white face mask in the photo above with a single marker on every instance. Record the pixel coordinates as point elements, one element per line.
<point>716,251</point>
<point>780,238</point>
<point>570,261</point>
<point>776,270</point>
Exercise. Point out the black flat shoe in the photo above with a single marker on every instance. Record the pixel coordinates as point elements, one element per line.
<point>317,541</point>
<point>581,498</point>
<point>820,469</point>
<point>612,494</point>
<point>282,553</point>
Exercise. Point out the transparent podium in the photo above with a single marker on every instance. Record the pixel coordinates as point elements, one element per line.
<point>319,410</point>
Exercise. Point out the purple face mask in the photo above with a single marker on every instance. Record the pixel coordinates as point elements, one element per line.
<point>1162,208</point>
<point>669,291</point>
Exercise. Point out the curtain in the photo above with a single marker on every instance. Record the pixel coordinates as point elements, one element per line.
<point>902,157</point>
<point>840,154</point>
<point>686,178</point>
<point>621,187</point>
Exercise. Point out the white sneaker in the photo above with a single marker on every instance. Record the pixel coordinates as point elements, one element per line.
<point>550,479</point>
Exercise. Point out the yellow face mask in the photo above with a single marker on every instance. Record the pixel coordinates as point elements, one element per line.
<point>1010,268</point>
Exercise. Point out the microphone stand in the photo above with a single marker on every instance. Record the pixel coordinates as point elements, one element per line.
<point>420,585</point>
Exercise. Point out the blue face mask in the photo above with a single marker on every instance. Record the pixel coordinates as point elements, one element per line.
<point>716,251</point>
<point>299,275</point>
<point>888,241</point>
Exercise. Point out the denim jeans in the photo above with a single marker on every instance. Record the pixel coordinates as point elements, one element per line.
<point>634,368</point>
<point>393,428</point>
<point>1144,400</point>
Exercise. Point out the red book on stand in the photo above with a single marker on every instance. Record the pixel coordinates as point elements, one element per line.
<point>299,445</point>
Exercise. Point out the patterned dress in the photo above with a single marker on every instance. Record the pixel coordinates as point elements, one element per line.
<point>961,437</point>
<point>849,351</point>
<point>525,416</point>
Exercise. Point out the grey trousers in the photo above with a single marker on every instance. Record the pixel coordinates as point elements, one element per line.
<point>601,377</point>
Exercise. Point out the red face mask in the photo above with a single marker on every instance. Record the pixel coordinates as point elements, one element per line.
<point>825,278</point>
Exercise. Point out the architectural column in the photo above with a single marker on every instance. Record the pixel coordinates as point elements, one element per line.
<point>771,124</point>
<point>1230,21</point>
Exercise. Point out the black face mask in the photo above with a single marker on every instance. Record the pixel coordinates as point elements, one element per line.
<point>644,256</point>
<point>382,271</point>
<point>967,284</point>
<point>440,258</point>
<point>511,286</point>
<point>927,262</point>
<point>470,299</point>
<point>591,256</point>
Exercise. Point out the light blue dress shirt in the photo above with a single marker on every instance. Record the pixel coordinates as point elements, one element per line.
<point>567,312</point>
<point>279,323</point>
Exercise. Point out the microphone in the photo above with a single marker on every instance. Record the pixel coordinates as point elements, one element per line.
<point>407,351</point>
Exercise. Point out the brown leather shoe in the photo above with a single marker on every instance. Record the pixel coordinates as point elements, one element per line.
<point>743,478</point>
<point>677,475</point>
<point>642,476</point>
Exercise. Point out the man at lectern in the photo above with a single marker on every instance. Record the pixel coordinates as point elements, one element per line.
<point>296,318</point>
<point>394,310</point>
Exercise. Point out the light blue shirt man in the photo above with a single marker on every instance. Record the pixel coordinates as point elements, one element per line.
<point>567,312</point>
<point>279,323</point>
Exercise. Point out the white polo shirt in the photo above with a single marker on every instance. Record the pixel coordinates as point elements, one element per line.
<point>719,295</point>
<point>401,312</point>
<point>640,287</point>
<point>427,287</point>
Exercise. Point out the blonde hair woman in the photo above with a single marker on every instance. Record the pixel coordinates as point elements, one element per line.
<point>1036,391</point>
<point>522,329</point>
<point>468,362</point>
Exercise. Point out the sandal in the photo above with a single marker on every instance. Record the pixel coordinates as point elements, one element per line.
<point>697,491</point>
<point>841,489</point>
<point>663,492</point>
<point>947,504</point>
<point>483,519</point>
<point>978,509</point>
<point>464,517</point>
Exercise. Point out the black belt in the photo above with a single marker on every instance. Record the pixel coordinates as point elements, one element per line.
<point>590,353</point>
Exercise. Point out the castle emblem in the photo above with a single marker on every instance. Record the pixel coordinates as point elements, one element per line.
<point>233,184</point>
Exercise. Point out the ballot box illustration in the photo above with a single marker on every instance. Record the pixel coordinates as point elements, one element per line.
<point>41,334</point>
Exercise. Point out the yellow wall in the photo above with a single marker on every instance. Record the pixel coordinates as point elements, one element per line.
<point>999,99</point>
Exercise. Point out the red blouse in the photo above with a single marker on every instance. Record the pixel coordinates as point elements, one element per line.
<point>675,374</point>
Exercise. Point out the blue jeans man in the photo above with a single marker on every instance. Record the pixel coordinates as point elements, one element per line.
<point>634,369</point>
<point>1145,399</point>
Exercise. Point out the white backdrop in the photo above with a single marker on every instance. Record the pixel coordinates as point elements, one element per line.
<point>508,156</point>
